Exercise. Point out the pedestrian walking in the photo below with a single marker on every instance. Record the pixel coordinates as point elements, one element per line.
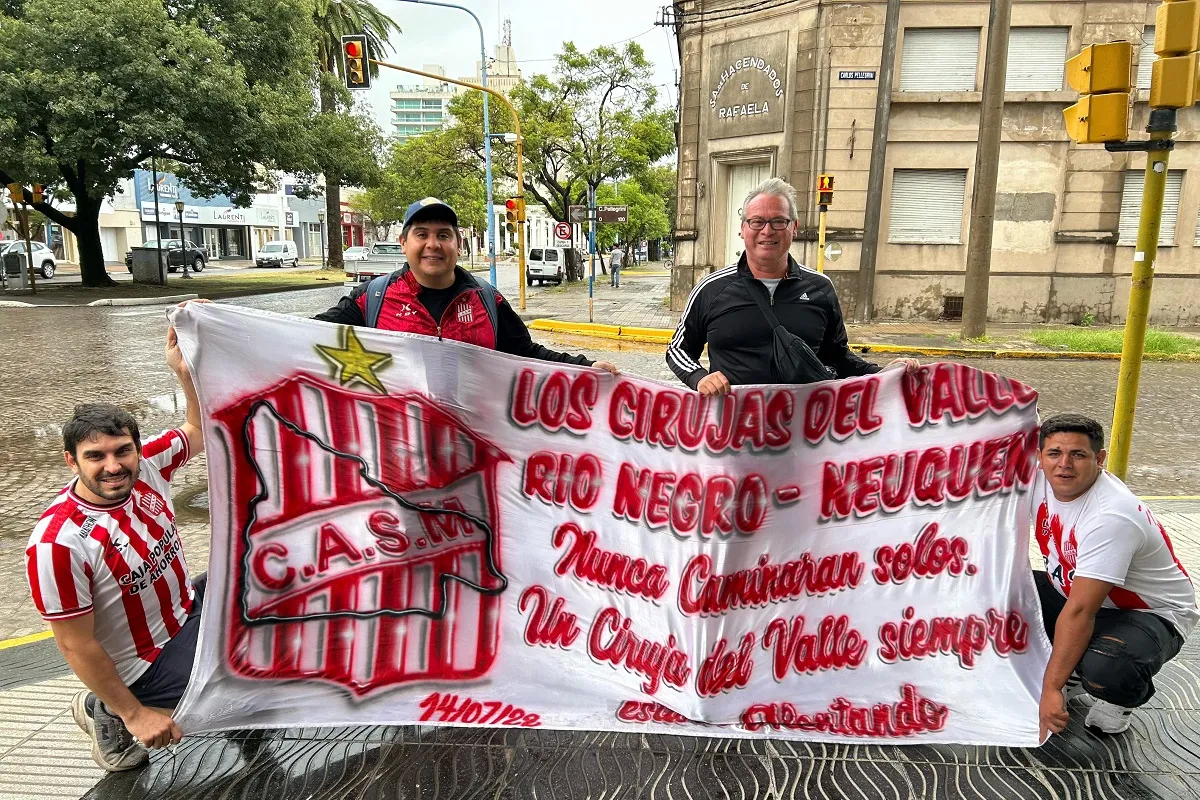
<point>618,260</point>
<point>766,318</point>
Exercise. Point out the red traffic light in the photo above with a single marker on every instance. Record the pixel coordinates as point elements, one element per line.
<point>353,49</point>
<point>510,204</point>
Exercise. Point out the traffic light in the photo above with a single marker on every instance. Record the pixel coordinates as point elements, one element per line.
<point>510,215</point>
<point>1176,39</point>
<point>825,190</point>
<point>39,193</point>
<point>1100,73</point>
<point>354,54</point>
<point>17,192</point>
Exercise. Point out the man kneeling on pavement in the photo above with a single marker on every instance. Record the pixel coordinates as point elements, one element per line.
<point>106,569</point>
<point>1116,601</point>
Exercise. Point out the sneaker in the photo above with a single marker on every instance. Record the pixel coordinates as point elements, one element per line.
<point>113,746</point>
<point>1108,717</point>
<point>1073,689</point>
<point>81,710</point>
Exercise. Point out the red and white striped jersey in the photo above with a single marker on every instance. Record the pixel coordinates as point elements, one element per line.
<point>123,563</point>
<point>1108,534</point>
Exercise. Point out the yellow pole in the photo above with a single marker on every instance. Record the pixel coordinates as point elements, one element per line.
<point>1139,302</point>
<point>28,245</point>
<point>821,243</point>
<point>520,155</point>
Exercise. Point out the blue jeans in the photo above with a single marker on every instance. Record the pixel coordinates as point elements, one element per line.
<point>162,685</point>
<point>615,276</point>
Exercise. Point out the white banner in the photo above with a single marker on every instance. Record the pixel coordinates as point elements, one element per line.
<point>408,530</point>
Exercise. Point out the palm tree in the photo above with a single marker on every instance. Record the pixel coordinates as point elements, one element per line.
<point>334,19</point>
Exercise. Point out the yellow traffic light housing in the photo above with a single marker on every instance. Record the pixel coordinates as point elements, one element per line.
<point>825,190</point>
<point>39,193</point>
<point>1173,81</point>
<point>17,192</point>
<point>511,214</point>
<point>1101,75</point>
<point>1177,28</point>
<point>354,55</point>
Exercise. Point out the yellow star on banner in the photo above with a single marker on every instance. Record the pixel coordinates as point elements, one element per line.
<point>354,362</point>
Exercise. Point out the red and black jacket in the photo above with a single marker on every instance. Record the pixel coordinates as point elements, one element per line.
<point>464,320</point>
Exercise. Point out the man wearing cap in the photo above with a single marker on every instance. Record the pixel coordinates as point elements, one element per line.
<point>433,296</point>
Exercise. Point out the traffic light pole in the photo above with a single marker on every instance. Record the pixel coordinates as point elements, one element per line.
<point>592,219</point>
<point>1161,128</point>
<point>821,240</point>
<point>520,168</point>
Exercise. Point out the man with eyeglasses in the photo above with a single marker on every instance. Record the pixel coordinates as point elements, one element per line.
<point>735,310</point>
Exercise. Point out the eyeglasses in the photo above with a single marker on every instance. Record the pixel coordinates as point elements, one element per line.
<point>758,223</point>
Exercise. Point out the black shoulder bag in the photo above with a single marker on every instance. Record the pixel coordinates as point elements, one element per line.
<point>792,360</point>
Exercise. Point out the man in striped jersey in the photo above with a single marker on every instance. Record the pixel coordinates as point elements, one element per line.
<point>106,569</point>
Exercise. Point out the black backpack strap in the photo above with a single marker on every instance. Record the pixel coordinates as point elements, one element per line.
<point>762,304</point>
<point>488,293</point>
<point>375,291</point>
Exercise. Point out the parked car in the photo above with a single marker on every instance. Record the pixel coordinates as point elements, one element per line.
<point>276,254</point>
<point>197,257</point>
<point>43,257</point>
<point>383,258</point>
<point>546,264</point>
<point>355,253</point>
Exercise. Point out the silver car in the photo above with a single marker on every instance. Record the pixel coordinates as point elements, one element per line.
<point>43,256</point>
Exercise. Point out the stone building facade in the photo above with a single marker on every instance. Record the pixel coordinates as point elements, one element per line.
<point>789,89</point>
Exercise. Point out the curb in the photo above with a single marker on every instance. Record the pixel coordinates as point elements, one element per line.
<point>143,301</point>
<point>663,336</point>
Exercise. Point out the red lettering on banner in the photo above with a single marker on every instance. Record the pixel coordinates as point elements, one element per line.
<point>617,571</point>
<point>689,502</point>
<point>263,574</point>
<point>331,544</point>
<point>560,479</point>
<point>930,555</point>
<point>845,410</point>
<point>929,477</point>
<point>612,639</point>
<point>548,623</point>
<point>911,715</point>
<point>389,535</point>
<point>439,707</point>
<point>703,592</point>
<point>560,400</point>
<point>833,645</point>
<point>723,670</point>
<point>958,392</point>
<point>648,711</point>
<point>750,420</point>
<point>967,637</point>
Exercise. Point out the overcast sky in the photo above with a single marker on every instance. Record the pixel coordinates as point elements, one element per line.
<point>449,37</point>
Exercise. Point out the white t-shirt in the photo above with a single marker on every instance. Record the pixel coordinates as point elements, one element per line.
<point>771,283</point>
<point>1110,535</point>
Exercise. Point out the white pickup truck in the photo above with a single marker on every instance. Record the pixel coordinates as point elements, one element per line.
<point>383,258</point>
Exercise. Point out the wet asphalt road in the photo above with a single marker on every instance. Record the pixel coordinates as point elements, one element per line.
<point>53,358</point>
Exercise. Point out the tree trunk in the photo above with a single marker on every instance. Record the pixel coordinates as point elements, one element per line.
<point>652,250</point>
<point>333,197</point>
<point>86,227</point>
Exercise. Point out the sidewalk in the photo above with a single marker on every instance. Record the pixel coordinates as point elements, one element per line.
<point>43,754</point>
<point>642,303</point>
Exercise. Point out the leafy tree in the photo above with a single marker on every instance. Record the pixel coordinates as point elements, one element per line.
<point>593,121</point>
<point>430,165</point>
<point>334,19</point>
<point>91,89</point>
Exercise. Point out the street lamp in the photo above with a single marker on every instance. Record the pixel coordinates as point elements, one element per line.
<point>321,217</point>
<point>183,253</point>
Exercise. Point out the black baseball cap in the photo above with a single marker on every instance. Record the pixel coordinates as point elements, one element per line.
<point>430,207</point>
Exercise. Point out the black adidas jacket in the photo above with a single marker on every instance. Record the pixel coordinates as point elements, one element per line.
<point>722,313</point>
